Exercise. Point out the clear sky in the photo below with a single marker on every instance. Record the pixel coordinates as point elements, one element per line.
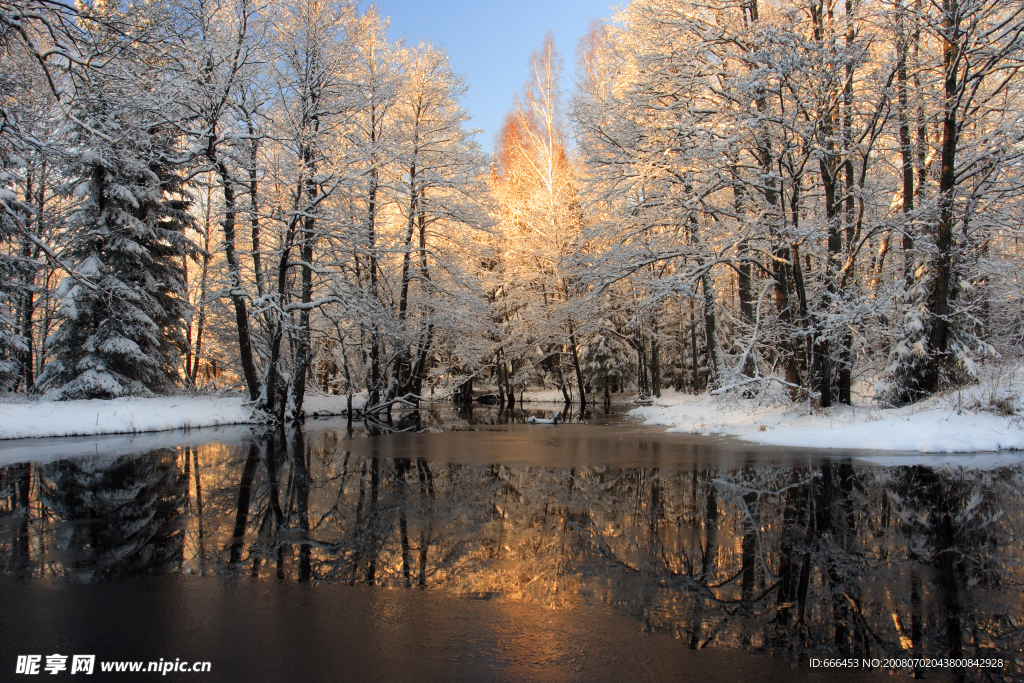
<point>489,42</point>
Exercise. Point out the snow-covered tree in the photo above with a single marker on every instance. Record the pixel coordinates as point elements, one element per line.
<point>540,219</point>
<point>122,314</point>
<point>737,151</point>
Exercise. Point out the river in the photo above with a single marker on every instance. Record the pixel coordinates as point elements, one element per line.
<point>477,547</point>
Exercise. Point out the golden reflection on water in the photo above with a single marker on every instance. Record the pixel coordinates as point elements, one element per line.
<point>830,558</point>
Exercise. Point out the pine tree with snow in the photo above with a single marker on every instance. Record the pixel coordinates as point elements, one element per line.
<point>19,114</point>
<point>605,359</point>
<point>123,309</point>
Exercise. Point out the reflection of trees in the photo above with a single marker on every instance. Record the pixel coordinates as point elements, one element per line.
<point>17,495</point>
<point>111,519</point>
<point>952,527</point>
<point>816,558</point>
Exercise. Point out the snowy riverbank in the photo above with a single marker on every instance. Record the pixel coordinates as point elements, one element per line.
<point>556,396</point>
<point>320,405</point>
<point>119,416</point>
<point>938,425</point>
<point>33,419</point>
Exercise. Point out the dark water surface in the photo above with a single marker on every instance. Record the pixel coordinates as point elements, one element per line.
<point>503,551</point>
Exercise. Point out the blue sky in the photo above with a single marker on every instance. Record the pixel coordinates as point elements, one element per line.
<point>489,43</point>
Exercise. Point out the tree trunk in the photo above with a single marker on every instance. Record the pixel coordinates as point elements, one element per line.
<point>906,153</point>
<point>845,374</point>
<point>821,347</point>
<point>642,387</point>
<point>784,308</point>
<point>400,374</point>
<point>562,384</point>
<point>303,350</point>
<point>695,363</point>
<point>655,359</point>
<point>711,329</point>
<point>373,379</point>
<point>277,328</point>
<point>254,216</point>
<point>499,374</point>
<point>235,275</point>
<point>509,389</point>
<point>194,374</point>
<point>938,305</point>
<point>744,280</point>
<point>420,368</point>
<point>24,303</point>
<point>201,324</point>
<point>576,366</point>
<point>26,356</point>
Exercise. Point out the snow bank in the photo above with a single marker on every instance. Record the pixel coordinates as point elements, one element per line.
<point>119,416</point>
<point>542,396</point>
<point>555,396</point>
<point>32,419</point>
<point>933,426</point>
<point>316,405</point>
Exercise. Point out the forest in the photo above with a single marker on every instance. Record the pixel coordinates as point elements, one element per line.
<point>813,201</point>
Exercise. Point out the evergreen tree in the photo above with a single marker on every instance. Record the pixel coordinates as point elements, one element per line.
<point>605,359</point>
<point>124,309</point>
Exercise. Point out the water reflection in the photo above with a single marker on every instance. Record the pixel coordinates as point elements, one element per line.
<point>798,557</point>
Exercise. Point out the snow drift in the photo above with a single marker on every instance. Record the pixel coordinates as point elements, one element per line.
<point>33,419</point>
<point>933,426</point>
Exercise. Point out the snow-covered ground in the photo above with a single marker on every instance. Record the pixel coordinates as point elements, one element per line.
<point>939,425</point>
<point>316,405</point>
<point>942,424</point>
<point>31,419</point>
<point>555,396</point>
<point>118,416</point>
<point>542,396</point>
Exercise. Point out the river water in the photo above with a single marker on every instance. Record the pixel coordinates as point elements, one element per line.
<point>477,547</point>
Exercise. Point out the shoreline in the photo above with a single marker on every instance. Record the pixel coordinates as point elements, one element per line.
<point>937,425</point>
